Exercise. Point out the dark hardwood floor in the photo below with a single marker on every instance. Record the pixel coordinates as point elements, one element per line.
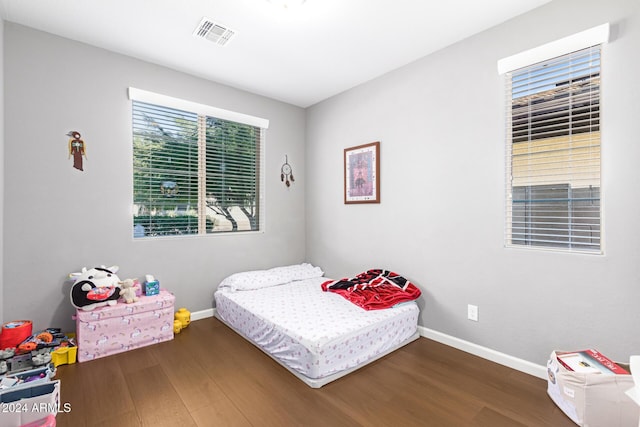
<point>210,376</point>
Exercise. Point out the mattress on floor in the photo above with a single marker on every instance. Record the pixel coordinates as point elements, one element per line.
<point>312,332</point>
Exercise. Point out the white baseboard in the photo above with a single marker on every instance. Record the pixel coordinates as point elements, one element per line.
<point>202,314</point>
<point>486,353</point>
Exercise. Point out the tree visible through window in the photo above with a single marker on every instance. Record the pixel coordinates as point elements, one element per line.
<point>193,174</point>
<point>553,153</point>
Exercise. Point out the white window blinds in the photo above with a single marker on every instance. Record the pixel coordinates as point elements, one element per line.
<point>193,173</point>
<point>553,153</point>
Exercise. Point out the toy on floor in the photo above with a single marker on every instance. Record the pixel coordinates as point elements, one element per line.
<point>20,375</point>
<point>177,326</point>
<point>95,287</point>
<point>7,353</point>
<point>184,317</point>
<point>41,359</point>
<point>128,290</point>
<point>14,332</point>
<point>46,339</point>
<point>66,353</point>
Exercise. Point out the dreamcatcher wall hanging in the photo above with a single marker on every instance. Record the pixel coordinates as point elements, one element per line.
<point>286,173</point>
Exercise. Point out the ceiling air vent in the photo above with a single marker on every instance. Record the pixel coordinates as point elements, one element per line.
<point>212,31</point>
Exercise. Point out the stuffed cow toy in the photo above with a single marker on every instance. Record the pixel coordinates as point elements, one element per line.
<point>95,287</point>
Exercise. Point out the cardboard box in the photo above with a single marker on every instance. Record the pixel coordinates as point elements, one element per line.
<point>592,399</point>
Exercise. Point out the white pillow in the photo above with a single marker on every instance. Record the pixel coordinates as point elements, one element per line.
<point>295,272</point>
<point>258,279</point>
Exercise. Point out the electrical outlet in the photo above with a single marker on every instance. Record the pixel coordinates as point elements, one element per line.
<point>472,312</point>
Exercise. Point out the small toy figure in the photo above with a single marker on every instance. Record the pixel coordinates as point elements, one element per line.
<point>77,149</point>
<point>128,290</point>
<point>184,317</point>
<point>177,326</point>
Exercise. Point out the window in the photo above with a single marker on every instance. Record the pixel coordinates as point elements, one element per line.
<point>194,173</point>
<point>553,153</point>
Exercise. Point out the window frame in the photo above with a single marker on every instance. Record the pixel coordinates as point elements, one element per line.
<point>203,114</point>
<point>594,37</point>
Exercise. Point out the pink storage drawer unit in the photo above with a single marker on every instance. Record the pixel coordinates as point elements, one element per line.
<point>122,327</point>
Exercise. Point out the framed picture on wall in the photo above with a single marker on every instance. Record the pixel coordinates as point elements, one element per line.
<point>362,174</point>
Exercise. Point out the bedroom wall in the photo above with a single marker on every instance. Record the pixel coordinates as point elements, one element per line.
<point>440,122</point>
<point>58,219</point>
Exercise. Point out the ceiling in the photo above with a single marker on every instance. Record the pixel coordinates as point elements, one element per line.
<point>299,55</point>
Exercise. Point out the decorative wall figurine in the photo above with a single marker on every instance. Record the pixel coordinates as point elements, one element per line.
<point>286,173</point>
<point>77,149</point>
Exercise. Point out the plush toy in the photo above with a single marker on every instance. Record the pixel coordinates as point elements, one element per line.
<point>128,290</point>
<point>95,287</point>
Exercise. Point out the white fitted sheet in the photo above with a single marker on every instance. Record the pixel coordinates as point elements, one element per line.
<point>314,333</point>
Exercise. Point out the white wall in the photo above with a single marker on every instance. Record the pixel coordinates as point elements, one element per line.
<point>440,222</point>
<point>58,219</point>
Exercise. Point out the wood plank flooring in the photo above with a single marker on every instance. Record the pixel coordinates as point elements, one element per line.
<point>210,376</point>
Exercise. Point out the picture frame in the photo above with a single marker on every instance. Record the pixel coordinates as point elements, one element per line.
<point>362,173</point>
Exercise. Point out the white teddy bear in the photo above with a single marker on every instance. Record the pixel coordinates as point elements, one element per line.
<point>128,290</point>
